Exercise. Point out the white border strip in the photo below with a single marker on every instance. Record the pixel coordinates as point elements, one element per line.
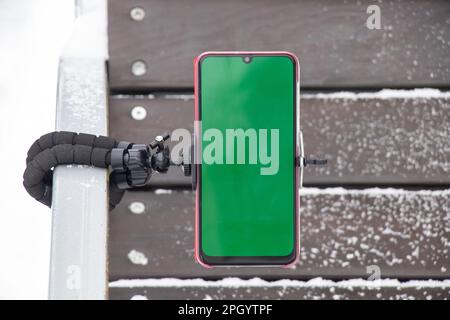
<point>257,282</point>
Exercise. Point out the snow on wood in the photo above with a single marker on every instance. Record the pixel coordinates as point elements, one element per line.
<point>314,289</point>
<point>384,94</point>
<point>404,233</point>
<point>378,141</point>
<point>138,297</point>
<point>375,192</point>
<point>372,141</point>
<point>137,257</point>
<point>258,282</point>
<point>163,191</point>
<point>293,293</point>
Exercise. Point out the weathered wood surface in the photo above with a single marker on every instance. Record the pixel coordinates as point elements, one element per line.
<point>378,141</point>
<point>313,290</point>
<point>368,139</point>
<point>343,232</point>
<point>331,38</point>
<point>163,115</point>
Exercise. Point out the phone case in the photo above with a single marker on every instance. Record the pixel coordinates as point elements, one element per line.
<point>298,142</point>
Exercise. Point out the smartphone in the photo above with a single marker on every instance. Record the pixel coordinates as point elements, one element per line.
<point>247,178</point>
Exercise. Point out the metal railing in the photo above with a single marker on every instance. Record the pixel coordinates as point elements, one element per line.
<point>78,268</point>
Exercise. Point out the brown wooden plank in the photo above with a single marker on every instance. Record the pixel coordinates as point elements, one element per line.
<point>163,115</point>
<point>331,38</point>
<point>336,291</point>
<point>367,140</point>
<point>378,141</point>
<point>343,232</point>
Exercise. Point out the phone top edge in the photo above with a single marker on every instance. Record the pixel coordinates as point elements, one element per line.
<point>292,56</point>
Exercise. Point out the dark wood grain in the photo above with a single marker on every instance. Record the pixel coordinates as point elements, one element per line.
<point>335,47</point>
<point>378,141</point>
<point>368,141</point>
<point>404,233</point>
<point>163,115</point>
<point>287,292</point>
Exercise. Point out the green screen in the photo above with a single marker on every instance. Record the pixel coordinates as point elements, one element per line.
<point>244,212</point>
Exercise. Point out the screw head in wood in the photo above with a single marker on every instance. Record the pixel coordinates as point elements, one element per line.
<point>137,14</point>
<point>138,68</point>
<point>138,113</point>
<point>137,207</point>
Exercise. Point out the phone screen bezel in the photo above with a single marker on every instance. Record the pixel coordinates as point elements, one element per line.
<point>248,260</point>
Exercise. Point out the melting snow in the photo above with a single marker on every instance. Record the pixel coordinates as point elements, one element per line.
<point>425,93</point>
<point>372,191</point>
<point>257,282</point>
<point>137,257</point>
<point>163,191</point>
<point>138,297</point>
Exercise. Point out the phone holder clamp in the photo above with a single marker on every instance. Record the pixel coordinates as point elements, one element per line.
<point>133,164</point>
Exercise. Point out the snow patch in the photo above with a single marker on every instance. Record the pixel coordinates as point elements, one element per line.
<point>138,297</point>
<point>137,257</point>
<point>389,231</point>
<point>32,35</point>
<point>423,93</point>
<point>133,96</point>
<point>258,282</point>
<point>184,97</point>
<point>372,191</point>
<point>163,191</point>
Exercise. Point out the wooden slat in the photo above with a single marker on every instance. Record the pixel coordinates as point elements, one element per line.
<point>331,38</point>
<point>343,232</point>
<point>378,141</point>
<point>292,293</point>
<point>163,115</point>
<point>367,140</point>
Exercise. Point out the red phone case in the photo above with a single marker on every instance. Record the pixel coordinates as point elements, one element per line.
<point>299,148</point>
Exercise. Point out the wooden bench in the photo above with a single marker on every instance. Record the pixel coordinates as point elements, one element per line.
<point>382,202</point>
